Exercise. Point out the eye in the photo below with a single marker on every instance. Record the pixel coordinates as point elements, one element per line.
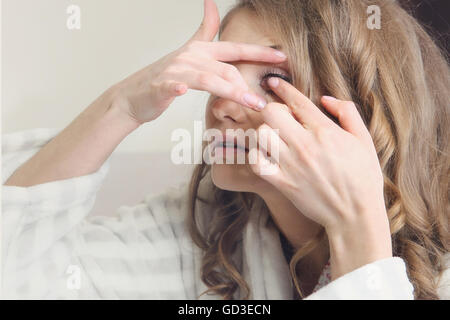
<point>267,74</point>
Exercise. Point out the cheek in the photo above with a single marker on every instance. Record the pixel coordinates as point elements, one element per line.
<point>209,118</point>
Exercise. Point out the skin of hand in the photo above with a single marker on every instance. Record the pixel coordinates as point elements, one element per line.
<point>85,144</point>
<point>199,64</point>
<point>330,172</point>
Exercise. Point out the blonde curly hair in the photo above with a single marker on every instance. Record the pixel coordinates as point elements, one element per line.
<point>399,79</point>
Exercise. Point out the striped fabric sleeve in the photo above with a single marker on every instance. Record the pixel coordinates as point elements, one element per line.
<point>35,218</point>
<point>53,249</point>
<point>385,279</point>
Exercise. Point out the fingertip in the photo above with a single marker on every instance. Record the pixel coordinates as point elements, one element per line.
<point>254,102</point>
<point>180,89</point>
<point>329,99</point>
<point>274,82</point>
<point>280,54</point>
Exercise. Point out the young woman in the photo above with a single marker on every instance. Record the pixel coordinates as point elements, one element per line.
<point>358,207</point>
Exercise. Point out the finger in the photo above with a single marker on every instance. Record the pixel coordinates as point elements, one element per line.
<point>271,143</point>
<point>278,117</point>
<point>348,116</point>
<point>231,74</point>
<point>235,51</point>
<point>170,90</point>
<point>263,167</point>
<point>179,89</point>
<point>223,70</point>
<point>210,24</point>
<point>219,87</point>
<point>306,112</point>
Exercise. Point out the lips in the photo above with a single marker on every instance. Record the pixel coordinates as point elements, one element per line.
<point>229,142</point>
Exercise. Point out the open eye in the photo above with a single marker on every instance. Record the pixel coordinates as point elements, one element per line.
<point>267,74</point>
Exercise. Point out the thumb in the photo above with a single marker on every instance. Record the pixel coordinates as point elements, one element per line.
<point>210,24</point>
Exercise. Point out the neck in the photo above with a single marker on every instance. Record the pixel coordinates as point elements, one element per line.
<point>298,230</point>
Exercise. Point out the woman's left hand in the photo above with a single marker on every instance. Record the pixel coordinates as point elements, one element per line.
<point>331,173</point>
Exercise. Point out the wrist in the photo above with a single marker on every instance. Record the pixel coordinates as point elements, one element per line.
<point>355,245</point>
<point>118,108</point>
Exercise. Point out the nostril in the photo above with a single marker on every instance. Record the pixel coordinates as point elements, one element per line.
<point>228,117</point>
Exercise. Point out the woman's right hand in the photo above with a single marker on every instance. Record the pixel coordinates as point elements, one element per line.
<point>85,144</point>
<point>199,64</point>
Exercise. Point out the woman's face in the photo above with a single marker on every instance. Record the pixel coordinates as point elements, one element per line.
<point>223,114</point>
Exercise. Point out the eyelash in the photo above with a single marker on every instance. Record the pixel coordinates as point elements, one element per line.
<point>267,74</point>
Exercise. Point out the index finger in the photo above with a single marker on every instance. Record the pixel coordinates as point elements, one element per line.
<point>236,51</point>
<point>308,114</point>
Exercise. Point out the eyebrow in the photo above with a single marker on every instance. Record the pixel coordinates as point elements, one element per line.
<point>284,64</point>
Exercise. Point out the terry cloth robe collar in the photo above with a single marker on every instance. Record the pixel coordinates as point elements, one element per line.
<point>263,264</point>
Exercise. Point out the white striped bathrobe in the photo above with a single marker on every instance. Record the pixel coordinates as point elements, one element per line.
<point>52,249</point>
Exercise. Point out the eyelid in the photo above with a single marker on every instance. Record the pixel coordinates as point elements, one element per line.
<point>276,72</point>
<point>266,74</point>
<point>272,72</point>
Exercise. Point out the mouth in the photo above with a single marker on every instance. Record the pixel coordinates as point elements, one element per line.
<point>230,143</point>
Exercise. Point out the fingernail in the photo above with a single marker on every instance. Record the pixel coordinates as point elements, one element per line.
<point>329,98</point>
<point>280,54</point>
<point>179,88</point>
<point>261,104</point>
<point>254,101</point>
<point>274,82</point>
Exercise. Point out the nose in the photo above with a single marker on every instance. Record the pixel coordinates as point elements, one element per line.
<point>226,110</point>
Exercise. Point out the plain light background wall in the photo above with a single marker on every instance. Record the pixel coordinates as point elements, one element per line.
<point>50,74</point>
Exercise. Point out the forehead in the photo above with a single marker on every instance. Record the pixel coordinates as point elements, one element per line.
<point>244,27</point>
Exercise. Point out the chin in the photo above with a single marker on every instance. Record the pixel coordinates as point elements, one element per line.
<point>236,177</point>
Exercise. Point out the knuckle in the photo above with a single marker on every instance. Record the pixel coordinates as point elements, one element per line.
<point>323,134</point>
<point>284,108</point>
<point>182,58</point>
<point>171,70</point>
<point>272,110</point>
<point>153,85</point>
<point>269,111</point>
<point>347,106</point>
<point>307,151</point>
<point>272,107</point>
<point>203,79</point>
<point>230,72</point>
<point>289,185</point>
<point>237,49</point>
<point>166,84</point>
<point>192,46</point>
